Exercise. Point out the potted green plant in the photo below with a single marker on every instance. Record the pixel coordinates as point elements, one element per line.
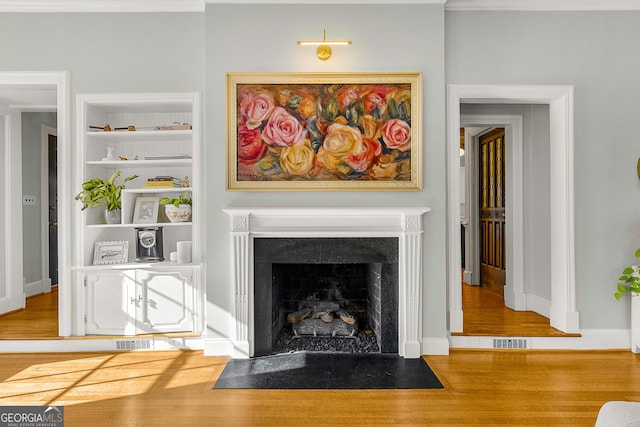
<point>629,284</point>
<point>177,209</point>
<point>97,191</point>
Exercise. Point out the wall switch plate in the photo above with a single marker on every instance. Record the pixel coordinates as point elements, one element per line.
<point>28,200</point>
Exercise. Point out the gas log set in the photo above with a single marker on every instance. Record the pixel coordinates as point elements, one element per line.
<point>325,327</point>
<point>323,319</point>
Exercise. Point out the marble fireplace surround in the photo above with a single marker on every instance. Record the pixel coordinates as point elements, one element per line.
<point>405,223</point>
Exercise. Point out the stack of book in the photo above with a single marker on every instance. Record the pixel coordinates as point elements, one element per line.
<point>164,181</point>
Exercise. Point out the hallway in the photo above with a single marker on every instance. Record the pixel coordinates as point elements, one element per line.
<point>486,315</point>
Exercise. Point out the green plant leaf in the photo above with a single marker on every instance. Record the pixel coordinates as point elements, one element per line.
<point>96,191</point>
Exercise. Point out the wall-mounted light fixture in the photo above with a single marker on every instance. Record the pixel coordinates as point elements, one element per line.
<point>323,51</point>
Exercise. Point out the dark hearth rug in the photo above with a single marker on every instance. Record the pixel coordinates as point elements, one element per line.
<point>328,371</point>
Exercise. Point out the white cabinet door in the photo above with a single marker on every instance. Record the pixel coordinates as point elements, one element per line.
<point>167,300</point>
<point>111,304</point>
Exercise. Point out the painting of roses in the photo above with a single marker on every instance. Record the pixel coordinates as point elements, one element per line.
<point>301,131</point>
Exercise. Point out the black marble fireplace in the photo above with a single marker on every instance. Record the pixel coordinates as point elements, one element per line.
<point>360,275</point>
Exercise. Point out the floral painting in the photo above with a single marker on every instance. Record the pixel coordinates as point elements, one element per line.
<point>325,131</point>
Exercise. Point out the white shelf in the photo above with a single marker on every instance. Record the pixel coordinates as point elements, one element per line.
<point>144,111</point>
<point>157,190</point>
<point>122,164</point>
<point>140,134</point>
<point>131,225</point>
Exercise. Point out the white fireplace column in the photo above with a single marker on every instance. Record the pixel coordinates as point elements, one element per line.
<point>403,223</point>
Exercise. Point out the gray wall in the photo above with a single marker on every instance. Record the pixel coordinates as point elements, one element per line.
<point>106,52</point>
<point>594,52</point>
<point>31,183</point>
<point>142,52</point>
<point>3,265</point>
<point>260,38</point>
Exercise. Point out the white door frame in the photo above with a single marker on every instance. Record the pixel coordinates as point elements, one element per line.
<point>514,293</point>
<point>13,183</point>
<point>45,131</point>
<point>563,313</point>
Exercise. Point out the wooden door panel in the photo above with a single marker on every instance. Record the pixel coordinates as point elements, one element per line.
<point>492,211</point>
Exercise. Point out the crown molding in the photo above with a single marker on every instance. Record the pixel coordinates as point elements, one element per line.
<point>130,6</point>
<point>127,6</point>
<point>325,1</point>
<point>543,5</point>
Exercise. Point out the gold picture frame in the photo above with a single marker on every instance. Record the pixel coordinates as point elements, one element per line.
<point>324,131</point>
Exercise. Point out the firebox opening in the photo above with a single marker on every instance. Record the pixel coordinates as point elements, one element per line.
<point>329,295</point>
<point>326,307</point>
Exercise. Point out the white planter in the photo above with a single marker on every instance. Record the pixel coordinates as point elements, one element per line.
<point>635,323</point>
<point>180,213</point>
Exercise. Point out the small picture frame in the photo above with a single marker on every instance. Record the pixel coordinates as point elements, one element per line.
<point>146,210</point>
<point>114,252</point>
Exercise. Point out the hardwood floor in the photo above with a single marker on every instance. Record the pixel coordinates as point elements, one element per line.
<point>162,388</point>
<point>486,315</point>
<point>158,388</point>
<point>38,321</point>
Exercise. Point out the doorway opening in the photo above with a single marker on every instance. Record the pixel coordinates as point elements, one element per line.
<point>491,165</point>
<point>562,309</point>
<point>24,92</point>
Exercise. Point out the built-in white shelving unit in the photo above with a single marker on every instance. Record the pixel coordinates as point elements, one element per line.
<point>150,135</point>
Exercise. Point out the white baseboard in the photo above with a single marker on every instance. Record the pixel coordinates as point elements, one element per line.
<point>435,346</point>
<point>539,305</point>
<point>97,344</point>
<point>466,277</point>
<point>218,347</point>
<point>34,288</point>
<point>591,339</point>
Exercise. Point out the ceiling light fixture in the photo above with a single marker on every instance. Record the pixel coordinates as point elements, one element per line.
<point>323,51</point>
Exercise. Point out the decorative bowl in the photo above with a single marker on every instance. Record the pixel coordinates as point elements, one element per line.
<point>181,213</point>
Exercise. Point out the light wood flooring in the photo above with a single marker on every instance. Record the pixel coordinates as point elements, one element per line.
<point>38,321</point>
<point>166,388</point>
<point>484,315</point>
<point>174,388</point>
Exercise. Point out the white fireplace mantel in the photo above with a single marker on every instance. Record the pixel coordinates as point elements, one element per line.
<point>405,223</point>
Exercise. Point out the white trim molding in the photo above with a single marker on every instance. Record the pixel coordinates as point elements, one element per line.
<point>405,223</point>
<point>589,339</point>
<point>38,6</point>
<point>133,6</point>
<point>542,5</point>
<point>326,1</point>
<point>563,311</point>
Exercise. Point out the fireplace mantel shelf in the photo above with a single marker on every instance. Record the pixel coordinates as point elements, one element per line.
<point>330,221</point>
<point>406,223</point>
